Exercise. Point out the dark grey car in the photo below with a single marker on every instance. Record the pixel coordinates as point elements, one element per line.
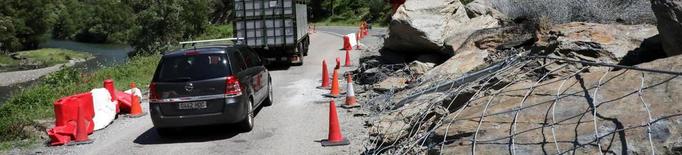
<point>221,84</point>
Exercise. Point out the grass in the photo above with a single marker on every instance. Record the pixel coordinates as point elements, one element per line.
<point>5,60</point>
<point>53,56</point>
<point>41,57</point>
<point>216,31</point>
<point>35,103</point>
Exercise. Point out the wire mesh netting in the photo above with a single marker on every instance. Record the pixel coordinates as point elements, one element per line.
<point>531,105</point>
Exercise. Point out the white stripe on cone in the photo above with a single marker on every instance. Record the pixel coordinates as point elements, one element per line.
<point>350,91</point>
<point>352,39</point>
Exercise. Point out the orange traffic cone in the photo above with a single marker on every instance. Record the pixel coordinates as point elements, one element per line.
<point>81,126</point>
<point>346,43</point>
<point>358,35</point>
<point>365,28</point>
<point>357,41</point>
<point>335,137</point>
<point>109,85</point>
<point>338,63</point>
<point>347,59</point>
<point>351,101</point>
<point>334,93</point>
<point>325,76</point>
<point>136,108</point>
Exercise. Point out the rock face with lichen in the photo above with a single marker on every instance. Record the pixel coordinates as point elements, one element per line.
<point>669,15</point>
<point>622,114</point>
<point>565,11</point>
<point>546,112</point>
<point>595,42</point>
<point>545,95</point>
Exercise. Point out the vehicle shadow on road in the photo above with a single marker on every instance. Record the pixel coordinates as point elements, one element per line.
<point>191,134</point>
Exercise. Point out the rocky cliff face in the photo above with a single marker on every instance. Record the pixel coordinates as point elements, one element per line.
<point>669,14</point>
<point>564,11</point>
<point>561,110</point>
<point>553,97</point>
<point>546,106</point>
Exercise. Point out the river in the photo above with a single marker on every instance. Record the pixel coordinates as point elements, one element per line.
<point>105,55</point>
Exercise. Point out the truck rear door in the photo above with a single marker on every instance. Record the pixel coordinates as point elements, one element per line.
<point>192,75</point>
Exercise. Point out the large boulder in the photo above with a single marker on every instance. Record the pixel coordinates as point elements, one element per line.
<point>594,42</point>
<point>478,50</point>
<point>425,26</point>
<point>564,11</point>
<point>669,17</point>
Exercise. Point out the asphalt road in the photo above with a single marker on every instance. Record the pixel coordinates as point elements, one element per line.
<point>292,125</point>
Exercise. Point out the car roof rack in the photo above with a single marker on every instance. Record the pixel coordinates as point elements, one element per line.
<point>193,43</point>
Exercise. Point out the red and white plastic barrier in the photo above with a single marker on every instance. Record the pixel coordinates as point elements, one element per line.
<point>79,115</point>
<point>73,116</point>
<point>349,41</point>
<point>105,109</point>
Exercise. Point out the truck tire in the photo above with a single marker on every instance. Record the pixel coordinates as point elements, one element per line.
<point>300,55</point>
<point>306,44</point>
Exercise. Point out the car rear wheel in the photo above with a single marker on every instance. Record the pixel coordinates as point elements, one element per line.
<point>269,100</point>
<point>247,124</point>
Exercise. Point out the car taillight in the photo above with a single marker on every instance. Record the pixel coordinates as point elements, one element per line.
<point>232,86</point>
<point>153,95</point>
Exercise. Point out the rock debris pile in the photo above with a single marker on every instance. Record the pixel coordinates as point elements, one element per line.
<point>472,80</point>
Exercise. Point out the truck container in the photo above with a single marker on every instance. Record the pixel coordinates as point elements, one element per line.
<point>276,29</point>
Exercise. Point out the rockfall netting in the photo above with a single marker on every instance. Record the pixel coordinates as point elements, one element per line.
<point>528,104</point>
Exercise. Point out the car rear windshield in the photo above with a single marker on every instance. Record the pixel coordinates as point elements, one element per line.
<point>193,68</point>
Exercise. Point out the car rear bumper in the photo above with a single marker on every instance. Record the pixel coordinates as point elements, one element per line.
<point>233,111</point>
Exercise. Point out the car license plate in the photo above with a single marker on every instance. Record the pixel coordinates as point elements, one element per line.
<point>192,105</point>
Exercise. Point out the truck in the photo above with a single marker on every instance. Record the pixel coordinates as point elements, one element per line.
<point>276,29</point>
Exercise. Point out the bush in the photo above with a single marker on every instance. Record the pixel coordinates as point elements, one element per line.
<point>28,105</point>
<point>163,25</point>
<point>24,23</point>
<point>216,31</point>
<point>351,12</point>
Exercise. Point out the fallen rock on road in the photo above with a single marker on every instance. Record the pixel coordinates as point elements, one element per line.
<point>427,26</point>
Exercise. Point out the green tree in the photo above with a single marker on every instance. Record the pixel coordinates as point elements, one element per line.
<point>70,20</point>
<point>222,11</point>
<point>109,21</point>
<point>195,17</point>
<point>165,22</point>
<point>30,20</point>
<point>7,39</point>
